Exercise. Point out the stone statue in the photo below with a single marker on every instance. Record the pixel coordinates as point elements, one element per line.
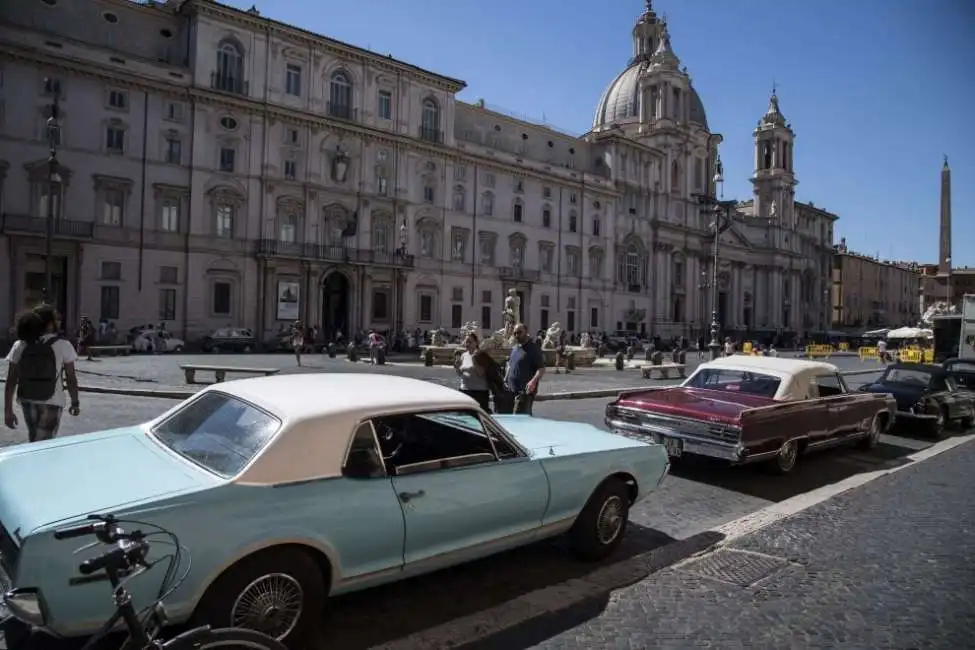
<point>585,340</point>
<point>458,248</point>
<point>552,337</point>
<point>516,256</point>
<point>437,337</point>
<point>426,243</point>
<point>511,312</point>
<point>773,210</point>
<point>470,327</point>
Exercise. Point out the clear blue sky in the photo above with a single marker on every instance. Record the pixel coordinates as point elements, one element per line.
<point>876,90</point>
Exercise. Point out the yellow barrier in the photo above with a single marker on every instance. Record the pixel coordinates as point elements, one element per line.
<point>844,347</point>
<point>746,347</point>
<point>908,355</point>
<point>819,351</point>
<point>869,354</point>
<point>929,356</point>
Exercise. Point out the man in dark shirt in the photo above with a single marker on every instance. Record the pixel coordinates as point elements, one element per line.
<point>526,367</point>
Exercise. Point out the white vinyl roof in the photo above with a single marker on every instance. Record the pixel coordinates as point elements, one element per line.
<point>776,365</point>
<point>320,412</point>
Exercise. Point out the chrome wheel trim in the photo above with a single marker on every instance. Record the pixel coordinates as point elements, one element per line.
<point>271,604</point>
<point>788,454</point>
<point>940,421</point>
<point>609,522</point>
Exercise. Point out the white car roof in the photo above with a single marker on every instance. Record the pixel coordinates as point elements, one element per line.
<point>319,414</point>
<point>776,365</point>
<point>796,375</point>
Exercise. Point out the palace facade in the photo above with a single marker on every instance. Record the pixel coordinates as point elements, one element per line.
<point>216,167</point>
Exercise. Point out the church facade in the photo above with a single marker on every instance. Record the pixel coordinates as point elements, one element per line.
<point>219,168</point>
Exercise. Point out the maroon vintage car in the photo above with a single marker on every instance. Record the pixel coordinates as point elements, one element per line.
<point>747,409</point>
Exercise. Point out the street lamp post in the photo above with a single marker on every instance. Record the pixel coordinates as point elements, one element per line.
<point>722,217</point>
<point>53,184</point>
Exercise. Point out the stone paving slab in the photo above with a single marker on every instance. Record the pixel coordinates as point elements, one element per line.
<point>889,565</point>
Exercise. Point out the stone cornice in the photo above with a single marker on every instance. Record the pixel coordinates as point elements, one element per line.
<point>322,44</point>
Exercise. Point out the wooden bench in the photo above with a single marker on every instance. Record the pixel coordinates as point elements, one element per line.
<point>664,370</point>
<point>112,350</point>
<point>220,372</point>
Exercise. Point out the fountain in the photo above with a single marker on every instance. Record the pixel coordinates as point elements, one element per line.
<point>498,344</point>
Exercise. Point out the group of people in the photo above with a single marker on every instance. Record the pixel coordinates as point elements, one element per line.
<point>513,388</point>
<point>37,361</point>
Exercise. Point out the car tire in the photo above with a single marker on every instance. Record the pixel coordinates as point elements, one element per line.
<point>178,349</point>
<point>215,349</point>
<point>785,461</point>
<point>247,349</point>
<point>967,422</point>
<point>299,581</point>
<point>872,439</point>
<point>599,529</point>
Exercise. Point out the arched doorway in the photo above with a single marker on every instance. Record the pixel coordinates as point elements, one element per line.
<point>336,295</point>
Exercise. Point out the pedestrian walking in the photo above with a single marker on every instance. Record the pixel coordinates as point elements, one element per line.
<point>36,362</point>
<point>86,337</point>
<point>298,339</point>
<point>526,367</point>
<point>473,373</point>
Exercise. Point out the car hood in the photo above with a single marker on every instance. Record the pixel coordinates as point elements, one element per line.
<point>906,396</point>
<point>545,438</point>
<point>45,483</point>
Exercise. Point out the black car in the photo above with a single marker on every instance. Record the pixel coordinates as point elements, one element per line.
<point>962,371</point>
<point>229,339</point>
<point>926,394</point>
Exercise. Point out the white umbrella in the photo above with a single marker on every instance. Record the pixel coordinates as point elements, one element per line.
<point>905,333</point>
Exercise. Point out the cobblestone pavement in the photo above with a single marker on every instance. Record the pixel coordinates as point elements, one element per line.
<point>671,525</point>
<point>162,372</point>
<point>889,565</point>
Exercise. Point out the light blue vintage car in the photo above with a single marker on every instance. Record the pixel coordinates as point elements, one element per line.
<point>287,490</point>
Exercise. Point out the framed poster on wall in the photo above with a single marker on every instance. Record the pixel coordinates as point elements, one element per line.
<point>289,294</point>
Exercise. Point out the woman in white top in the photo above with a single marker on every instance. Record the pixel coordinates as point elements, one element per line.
<point>37,360</point>
<point>473,380</point>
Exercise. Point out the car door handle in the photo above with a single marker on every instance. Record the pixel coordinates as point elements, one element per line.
<point>406,497</point>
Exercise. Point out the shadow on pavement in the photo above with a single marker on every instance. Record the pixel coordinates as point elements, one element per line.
<point>572,614</point>
<point>385,614</point>
<point>813,470</point>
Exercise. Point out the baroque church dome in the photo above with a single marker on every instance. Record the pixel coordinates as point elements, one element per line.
<point>621,101</point>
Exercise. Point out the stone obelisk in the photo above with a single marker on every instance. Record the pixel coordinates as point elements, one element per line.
<point>944,248</point>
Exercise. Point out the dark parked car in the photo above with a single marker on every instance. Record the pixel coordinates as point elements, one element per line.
<point>962,371</point>
<point>927,394</point>
<point>230,339</point>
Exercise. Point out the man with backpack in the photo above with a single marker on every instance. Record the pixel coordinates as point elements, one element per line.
<point>36,362</point>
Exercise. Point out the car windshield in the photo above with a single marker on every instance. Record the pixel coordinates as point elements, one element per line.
<point>907,376</point>
<point>218,432</point>
<point>967,367</point>
<point>735,381</point>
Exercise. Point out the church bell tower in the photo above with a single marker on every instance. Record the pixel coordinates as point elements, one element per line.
<point>774,181</point>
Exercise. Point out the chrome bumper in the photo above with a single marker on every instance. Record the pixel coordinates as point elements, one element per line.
<point>911,415</point>
<point>692,444</point>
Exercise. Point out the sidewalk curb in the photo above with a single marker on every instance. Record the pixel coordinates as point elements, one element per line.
<point>756,521</point>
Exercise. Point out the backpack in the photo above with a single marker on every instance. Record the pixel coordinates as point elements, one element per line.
<point>38,371</point>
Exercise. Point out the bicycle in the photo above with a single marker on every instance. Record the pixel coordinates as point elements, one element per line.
<point>128,559</point>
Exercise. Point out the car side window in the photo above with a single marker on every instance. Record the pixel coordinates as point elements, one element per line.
<point>434,440</point>
<point>363,460</point>
<point>829,385</point>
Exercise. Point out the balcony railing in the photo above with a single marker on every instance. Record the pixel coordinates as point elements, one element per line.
<point>19,223</point>
<point>516,273</point>
<point>228,84</point>
<point>431,135</point>
<point>341,111</point>
<point>331,253</point>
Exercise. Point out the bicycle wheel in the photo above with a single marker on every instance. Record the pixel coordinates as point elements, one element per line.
<point>204,638</point>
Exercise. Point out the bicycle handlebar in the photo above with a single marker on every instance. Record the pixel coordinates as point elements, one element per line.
<point>130,549</point>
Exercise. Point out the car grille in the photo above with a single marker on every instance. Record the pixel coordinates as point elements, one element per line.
<point>659,423</point>
<point>8,550</point>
